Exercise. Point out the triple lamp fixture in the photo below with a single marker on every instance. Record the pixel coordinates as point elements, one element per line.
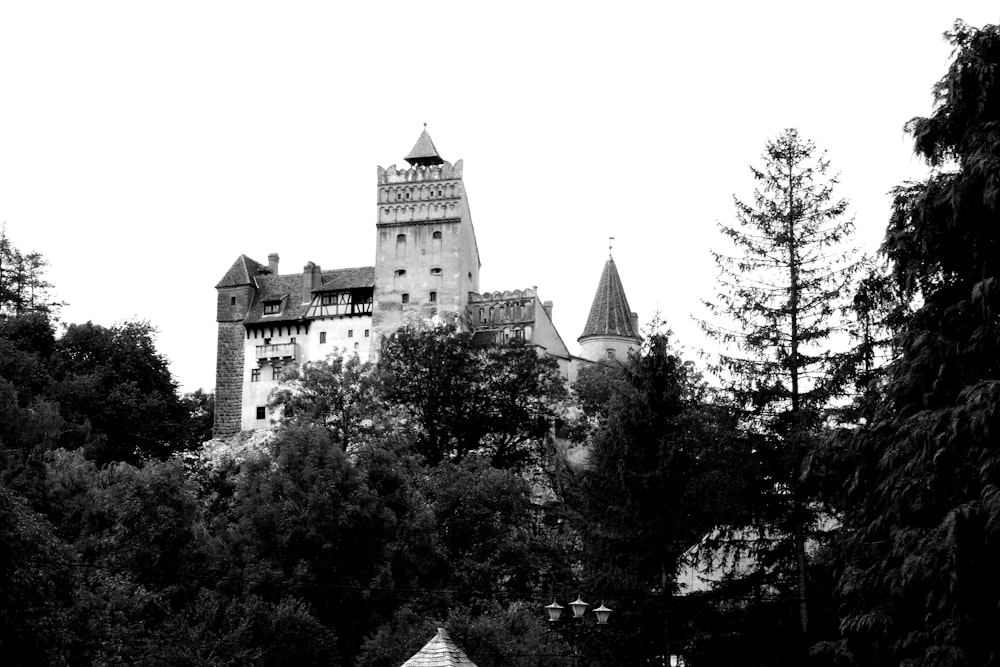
<point>579,608</point>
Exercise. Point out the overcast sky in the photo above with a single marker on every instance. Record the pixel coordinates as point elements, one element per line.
<point>144,146</point>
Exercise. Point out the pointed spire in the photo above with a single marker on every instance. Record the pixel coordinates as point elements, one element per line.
<point>610,314</point>
<point>424,152</point>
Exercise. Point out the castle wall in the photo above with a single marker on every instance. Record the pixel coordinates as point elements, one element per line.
<point>290,345</point>
<point>228,379</point>
<point>607,347</point>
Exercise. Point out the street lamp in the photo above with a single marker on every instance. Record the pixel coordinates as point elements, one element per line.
<point>579,608</point>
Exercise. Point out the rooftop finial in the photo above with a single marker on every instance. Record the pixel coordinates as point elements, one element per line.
<point>610,242</point>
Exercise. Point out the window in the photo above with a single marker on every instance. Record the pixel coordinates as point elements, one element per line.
<point>232,301</point>
<point>611,354</point>
<point>436,271</point>
<point>276,372</point>
<point>272,307</point>
<point>357,346</point>
<point>436,235</point>
<point>434,297</point>
<point>406,298</point>
<point>400,272</point>
<point>260,412</point>
<point>401,238</point>
<point>255,375</point>
<point>322,338</point>
<point>366,333</point>
<point>350,333</point>
<point>519,334</point>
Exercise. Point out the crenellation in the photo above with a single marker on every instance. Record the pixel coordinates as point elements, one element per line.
<point>419,174</point>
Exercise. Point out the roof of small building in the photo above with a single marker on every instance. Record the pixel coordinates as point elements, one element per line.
<point>424,152</point>
<point>288,288</point>
<point>241,273</point>
<point>440,651</point>
<point>610,314</point>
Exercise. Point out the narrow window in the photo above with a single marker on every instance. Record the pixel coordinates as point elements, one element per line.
<point>260,412</point>
<point>406,298</point>
<point>366,333</point>
<point>232,301</point>
<point>434,297</point>
<point>322,338</point>
<point>255,375</point>
<point>350,333</point>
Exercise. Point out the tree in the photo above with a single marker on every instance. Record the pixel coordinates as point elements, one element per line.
<point>497,400</point>
<point>338,393</point>
<point>664,470</point>
<point>118,389</point>
<point>916,559</point>
<point>782,288</point>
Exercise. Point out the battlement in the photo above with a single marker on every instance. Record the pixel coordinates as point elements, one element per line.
<point>501,296</point>
<point>435,172</point>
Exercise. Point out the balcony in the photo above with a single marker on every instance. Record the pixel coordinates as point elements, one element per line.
<point>279,352</point>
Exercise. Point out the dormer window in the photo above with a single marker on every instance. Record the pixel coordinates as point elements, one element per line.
<point>272,307</point>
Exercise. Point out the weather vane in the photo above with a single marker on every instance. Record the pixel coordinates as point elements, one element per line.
<point>610,241</point>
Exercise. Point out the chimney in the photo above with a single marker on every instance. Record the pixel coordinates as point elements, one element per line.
<point>635,323</point>
<point>312,278</point>
<point>272,263</point>
<point>547,307</point>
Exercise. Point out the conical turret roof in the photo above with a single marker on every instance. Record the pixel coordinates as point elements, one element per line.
<point>610,314</point>
<point>424,152</point>
<point>440,651</point>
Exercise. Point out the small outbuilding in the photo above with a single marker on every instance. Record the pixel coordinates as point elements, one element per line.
<point>440,651</point>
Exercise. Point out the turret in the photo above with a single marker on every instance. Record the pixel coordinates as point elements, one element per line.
<point>610,332</point>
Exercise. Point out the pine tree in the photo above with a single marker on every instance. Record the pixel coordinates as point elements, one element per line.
<point>917,560</point>
<point>782,289</point>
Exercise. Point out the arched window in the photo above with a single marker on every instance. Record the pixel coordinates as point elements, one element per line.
<point>436,235</point>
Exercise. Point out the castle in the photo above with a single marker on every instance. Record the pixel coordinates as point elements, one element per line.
<point>426,265</point>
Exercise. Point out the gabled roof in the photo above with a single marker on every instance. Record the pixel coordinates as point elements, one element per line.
<point>424,151</point>
<point>610,314</point>
<point>242,272</point>
<point>439,652</point>
<point>273,288</point>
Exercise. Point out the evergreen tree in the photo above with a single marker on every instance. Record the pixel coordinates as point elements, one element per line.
<point>782,288</point>
<point>918,582</point>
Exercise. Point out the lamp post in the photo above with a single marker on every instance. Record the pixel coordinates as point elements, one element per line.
<point>579,609</point>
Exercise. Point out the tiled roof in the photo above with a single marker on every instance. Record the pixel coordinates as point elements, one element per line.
<point>439,652</point>
<point>289,289</point>
<point>610,314</point>
<point>362,276</point>
<point>424,151</point>
<point>242,272</point>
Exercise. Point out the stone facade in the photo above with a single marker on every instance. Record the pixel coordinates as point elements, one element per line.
<point>426,266</point>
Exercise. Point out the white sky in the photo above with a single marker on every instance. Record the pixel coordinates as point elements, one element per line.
<point>144,146</point>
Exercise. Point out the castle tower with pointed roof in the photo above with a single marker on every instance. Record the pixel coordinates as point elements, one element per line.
<point>426,256</point>
<point>612,328</point>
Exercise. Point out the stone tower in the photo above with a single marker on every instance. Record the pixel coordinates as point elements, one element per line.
<point>612,327</point>
<point>426,257</point>
<point>235,293</point>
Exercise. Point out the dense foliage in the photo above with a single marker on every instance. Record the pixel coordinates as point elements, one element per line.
<point>918,583</point>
